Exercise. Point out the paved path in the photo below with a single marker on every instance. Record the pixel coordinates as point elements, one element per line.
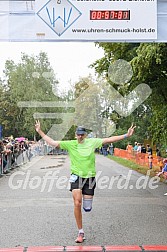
<point>36,208</point>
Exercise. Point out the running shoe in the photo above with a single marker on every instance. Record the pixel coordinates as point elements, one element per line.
<point>165,194</point>
<point>80,238</point>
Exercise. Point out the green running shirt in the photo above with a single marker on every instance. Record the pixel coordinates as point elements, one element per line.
<point>82,155</point>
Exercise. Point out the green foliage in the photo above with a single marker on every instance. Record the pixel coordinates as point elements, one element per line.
<point>91,106</point>
<point>150,67</point>
<point>112,52</point>
<point>32,79</point>
<point>86,104</point>
<point>149,61</point>
<point>28,80</point>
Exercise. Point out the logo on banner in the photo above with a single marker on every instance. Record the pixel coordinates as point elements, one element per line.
<point>59,15</point>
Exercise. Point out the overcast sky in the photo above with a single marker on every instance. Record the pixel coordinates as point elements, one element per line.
<point>70,60</point>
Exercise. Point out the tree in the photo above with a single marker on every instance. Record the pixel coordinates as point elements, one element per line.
<point>150,66</point>
<point>92,101</point>
<point>32,79</point>
<point>149,62</point>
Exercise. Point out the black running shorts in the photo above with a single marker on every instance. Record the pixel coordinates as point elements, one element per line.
<point>87,185</point>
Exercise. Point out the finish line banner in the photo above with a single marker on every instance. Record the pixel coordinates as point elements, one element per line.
<point>78,20</point>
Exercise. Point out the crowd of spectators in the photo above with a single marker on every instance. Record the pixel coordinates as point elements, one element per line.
<point>162,162</point>
<point>14,152</point>
<point>18,151</point>
<point>106,149</point>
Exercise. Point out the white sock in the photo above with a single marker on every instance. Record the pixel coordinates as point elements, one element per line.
<point>81,231</point>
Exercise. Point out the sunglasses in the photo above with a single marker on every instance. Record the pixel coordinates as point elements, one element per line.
<point>80,134</point>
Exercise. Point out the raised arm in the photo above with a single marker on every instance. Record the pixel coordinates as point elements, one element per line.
<point>48,139</point>
<point>120,137</point>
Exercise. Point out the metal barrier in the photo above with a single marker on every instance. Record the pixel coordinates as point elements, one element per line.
<point>10,160</point>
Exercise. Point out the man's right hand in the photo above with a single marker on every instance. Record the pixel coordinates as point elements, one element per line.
<point>48,139</point>
<point>37,125</point>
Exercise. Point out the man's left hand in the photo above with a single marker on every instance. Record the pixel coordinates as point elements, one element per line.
<point>131,130</point>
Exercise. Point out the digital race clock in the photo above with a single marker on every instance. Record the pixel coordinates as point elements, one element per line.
<point>110,15</point>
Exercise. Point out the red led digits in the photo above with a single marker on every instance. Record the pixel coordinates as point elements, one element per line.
<point>99,14</point>
<point>110,15</point>
<point>120,14</point>
<point>93,15</point>
<point>107,15</point>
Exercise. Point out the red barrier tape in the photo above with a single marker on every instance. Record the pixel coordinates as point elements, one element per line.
<point>19,249</point>
<point>84,248</point>
<point>134,248</point>
<point>155,248</point>
<point>122,248</point>
<point>45,249</point>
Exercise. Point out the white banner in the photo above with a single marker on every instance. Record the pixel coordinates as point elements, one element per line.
<point>78,20</point>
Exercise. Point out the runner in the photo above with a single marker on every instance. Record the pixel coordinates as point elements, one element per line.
<point>82,156</point>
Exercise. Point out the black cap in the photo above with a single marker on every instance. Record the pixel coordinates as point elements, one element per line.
<point>80,130</point>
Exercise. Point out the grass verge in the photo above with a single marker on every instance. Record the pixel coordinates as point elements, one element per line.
<point>136,167</point>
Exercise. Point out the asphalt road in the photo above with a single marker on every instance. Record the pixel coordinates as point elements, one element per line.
<point>36,207</point>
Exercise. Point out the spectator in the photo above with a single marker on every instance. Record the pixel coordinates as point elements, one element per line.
<point>143,149</point>
<point>8,156</point>
<point>111,149</point>
<point>3,161</point>
<point>135,146</point>
<point>164,170</point>
<point>139,148</point>
<point>129,148</point>
<point>160,163</point>
<point>1,147</point>
<point>105,149</point>
<point>149,150</point>
<point>150,161</point>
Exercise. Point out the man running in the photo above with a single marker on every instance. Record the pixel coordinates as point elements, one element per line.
<point>82,156</point>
